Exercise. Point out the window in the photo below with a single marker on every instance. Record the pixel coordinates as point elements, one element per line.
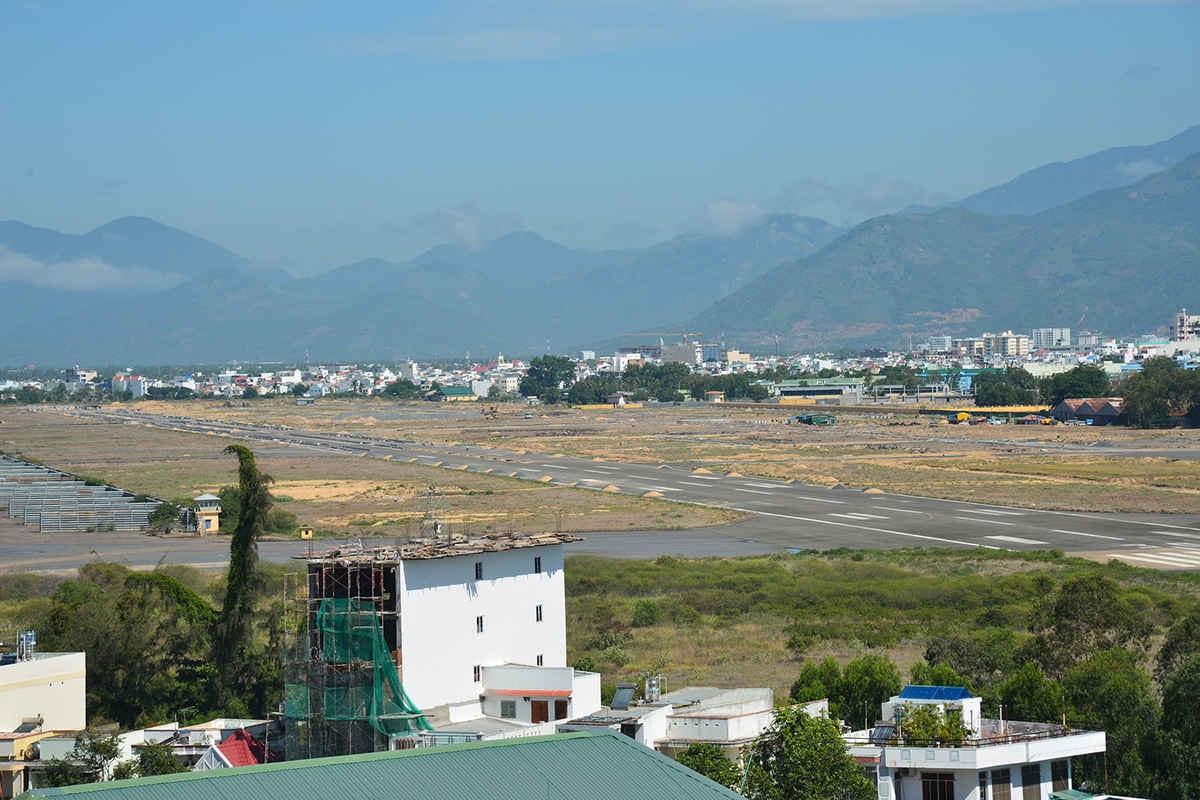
<point>537,612</point>
<point>478,570</point>
<point>937,786</point>
<point>983,786</point>
<point>1031,781</point>
<point>477,672</point>
<point>508,709</point>
<point>1001,784</point>
<point>1060,775</point>
<point>537,563</point>
<point>540,660</point>
<point>479,624</point>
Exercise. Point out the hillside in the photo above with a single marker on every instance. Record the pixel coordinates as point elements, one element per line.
<point>1125,258</point>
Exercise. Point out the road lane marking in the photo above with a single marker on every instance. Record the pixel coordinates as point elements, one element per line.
<point>981,519</point>
<point>862,527</point>
<point>1089,535</point>
<point>1015,540</point>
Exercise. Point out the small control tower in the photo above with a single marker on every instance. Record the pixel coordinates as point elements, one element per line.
<point>208,514</point>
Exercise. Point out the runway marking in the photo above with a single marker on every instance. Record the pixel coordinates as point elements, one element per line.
<point>1089,535</point>
<point>599,471</point>
<point>979,519</point>
<point>818,499</point>
<point>863,527</point>
<point>901,510</point>
<point>994,511</point>
<point>661,488</point>
<point>608,469</point>
<point>752,491</point>
<point>693,483</point>
<point>554,466</point>
<point>1014,539</point>
<point>707,477</point>
<point>765,485</point>
<point>856,515</point>
<point>1166,559</point>
<point>1176,533</point>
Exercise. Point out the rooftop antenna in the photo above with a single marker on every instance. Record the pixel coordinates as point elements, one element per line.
<point>547,345</point>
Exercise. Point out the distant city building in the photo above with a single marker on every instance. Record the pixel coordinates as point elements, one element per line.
<point>940,344</point>
<point>1045,338</point>
<point>691,353</point>
<point>1006,344</point>
<point>1186,326</point>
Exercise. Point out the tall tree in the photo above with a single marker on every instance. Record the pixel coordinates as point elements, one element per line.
<point>1085,380</point>
<point>547,376</point>
<point>709,761</point>
<point>235,647</point>
<point>804,758</point>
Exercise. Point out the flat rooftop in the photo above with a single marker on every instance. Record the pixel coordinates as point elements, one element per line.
<point>436,548</point>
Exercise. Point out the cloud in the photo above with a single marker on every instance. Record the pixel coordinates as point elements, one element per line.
<point>1136,170</point>
<point>464,223</point>
<point>84,274</point>
<point>727,217</point>
<point>854,201</point>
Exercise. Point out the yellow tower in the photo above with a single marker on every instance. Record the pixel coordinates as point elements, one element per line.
<point>208,514</point>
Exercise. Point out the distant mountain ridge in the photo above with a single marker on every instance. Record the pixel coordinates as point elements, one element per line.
<point>512,293</point>
<point>1059,183</point>
<point>1121,259</point>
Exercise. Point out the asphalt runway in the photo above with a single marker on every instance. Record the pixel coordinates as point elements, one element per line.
<point>784,515</point>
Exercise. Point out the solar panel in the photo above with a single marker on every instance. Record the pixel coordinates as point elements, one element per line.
<point>623,695</point>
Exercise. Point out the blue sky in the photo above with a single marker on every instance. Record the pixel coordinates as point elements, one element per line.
<point>315,134</point>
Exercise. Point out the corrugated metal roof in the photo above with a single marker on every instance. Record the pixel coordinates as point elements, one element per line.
<point>934,693</point>
<point>565,766</point>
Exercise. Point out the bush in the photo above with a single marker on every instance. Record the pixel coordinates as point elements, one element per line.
<point>646,612</point>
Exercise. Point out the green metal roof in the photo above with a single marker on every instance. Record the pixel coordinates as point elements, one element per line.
<point>1070,794</point>
<point>602,766</point>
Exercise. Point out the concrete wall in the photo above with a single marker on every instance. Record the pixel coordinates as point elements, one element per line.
<point>52,685</point>
<point>440,601</point>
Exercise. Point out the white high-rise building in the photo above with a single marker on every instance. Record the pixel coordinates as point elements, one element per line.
<point>1044,338</point>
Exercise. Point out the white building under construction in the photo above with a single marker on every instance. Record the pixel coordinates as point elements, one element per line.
<point>441,630</point>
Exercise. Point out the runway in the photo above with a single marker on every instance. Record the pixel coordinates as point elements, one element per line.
<point>784,515</point>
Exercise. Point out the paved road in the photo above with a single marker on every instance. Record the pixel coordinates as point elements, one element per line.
<point>786,515</point>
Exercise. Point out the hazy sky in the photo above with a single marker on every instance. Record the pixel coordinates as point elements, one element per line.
<point>320,133</point>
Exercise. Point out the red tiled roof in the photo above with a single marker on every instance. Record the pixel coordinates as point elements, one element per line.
<point>242,750</point>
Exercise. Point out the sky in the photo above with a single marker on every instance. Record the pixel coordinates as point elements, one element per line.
<point>310,135</point>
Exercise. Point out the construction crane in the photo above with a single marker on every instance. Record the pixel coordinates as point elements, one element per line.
<point>683,334</point>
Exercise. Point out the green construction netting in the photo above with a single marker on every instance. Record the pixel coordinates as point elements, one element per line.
<point>350,635</point>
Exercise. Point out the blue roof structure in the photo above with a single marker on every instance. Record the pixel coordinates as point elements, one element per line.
<point>934,693</point>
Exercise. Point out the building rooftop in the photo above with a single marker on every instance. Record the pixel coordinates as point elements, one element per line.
<point>438,548</point>
<point>564,766</point>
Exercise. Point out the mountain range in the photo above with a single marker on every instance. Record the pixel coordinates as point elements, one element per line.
<point>1084,242</point>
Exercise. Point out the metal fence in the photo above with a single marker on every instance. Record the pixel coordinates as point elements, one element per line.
<point>57,501</point>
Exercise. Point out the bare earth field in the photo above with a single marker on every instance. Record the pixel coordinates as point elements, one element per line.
<point>1059,467</point>
<point>335,494</point>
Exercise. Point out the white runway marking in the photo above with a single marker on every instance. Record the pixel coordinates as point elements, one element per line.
<point>752,491</point>
<point>900,510</point>
<point>1014,539</point>
<point>554,466</point>
<point>994,511</point>
<point>1176,533</point>
<point>693,483</point>
<point>856,515</point>
<point>865,528</point>
<point>1090,535</point>
<point>982,519</point>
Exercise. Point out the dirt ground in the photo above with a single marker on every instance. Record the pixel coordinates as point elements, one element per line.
<point>336,495</point>
<point>1054,467</point>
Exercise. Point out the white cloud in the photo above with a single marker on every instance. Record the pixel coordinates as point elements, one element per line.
<point>84,274</point>
<point>1136,170</point>
<point>464,223</point>
<point>853,201</point>
<point>727,217</point>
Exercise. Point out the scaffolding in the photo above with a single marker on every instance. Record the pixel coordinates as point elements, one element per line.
<point>342,662</point>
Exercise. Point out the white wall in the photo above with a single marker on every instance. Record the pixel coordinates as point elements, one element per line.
<point>52,685</point>
<point>440,600</point>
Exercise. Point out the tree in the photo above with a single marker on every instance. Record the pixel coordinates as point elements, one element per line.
<point>547,376</point>
<point>923,724</point>
<point>299,390</point>
<point>1085,380</point>
<point>155,758</point>
<point>1087,614</point>
<point>403,389</point>
<point>1014,386</point>
<point>804,758</point>
<point>1110,692</point>
<point>709,761</point>
<point>1030,696</point>
<point>1179,749</point>
<point>1182,643</point>
<point>866,682</point>
<point>249,393</point>
<point>817,681</point>
<point>90,760</point>
<point>925,674</point>
<point>1161,389</point>
<point>234,640</point>
<point>165,517</point>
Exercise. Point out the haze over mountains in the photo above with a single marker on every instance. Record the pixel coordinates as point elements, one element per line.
<point>1088,253</point>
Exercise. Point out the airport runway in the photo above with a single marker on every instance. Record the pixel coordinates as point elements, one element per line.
<point>785,515</point>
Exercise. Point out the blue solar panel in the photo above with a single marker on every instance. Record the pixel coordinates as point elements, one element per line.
<point>934,693</point>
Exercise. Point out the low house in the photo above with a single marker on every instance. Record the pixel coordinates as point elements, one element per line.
<point>238,750</point>
<point>454,394</point>
<point>993,758</point>
<point>576,766</point>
